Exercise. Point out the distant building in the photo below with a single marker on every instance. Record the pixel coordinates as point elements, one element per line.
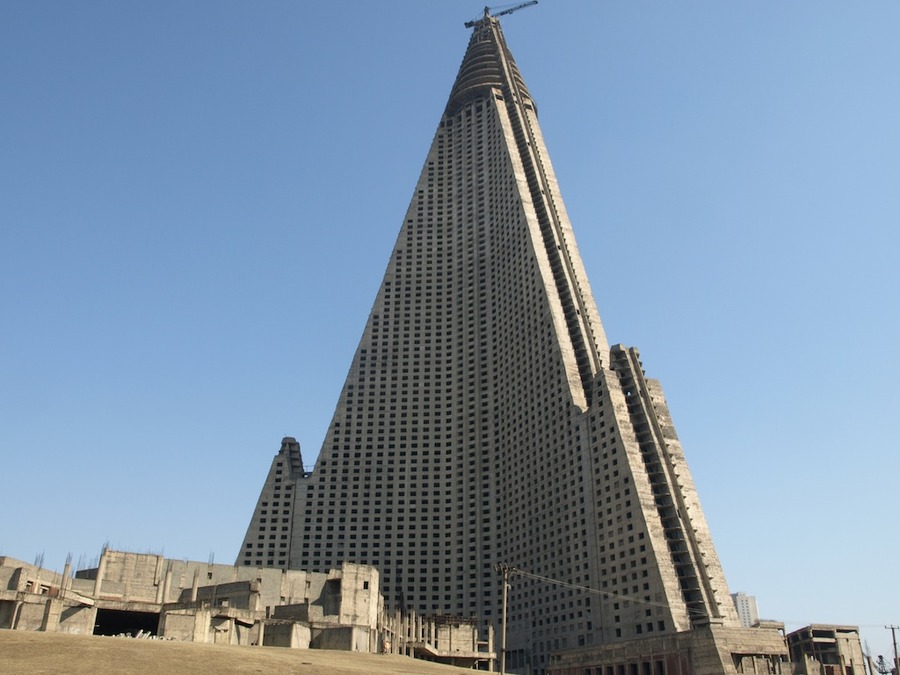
<point>746,609</point>
<point>824,649</point>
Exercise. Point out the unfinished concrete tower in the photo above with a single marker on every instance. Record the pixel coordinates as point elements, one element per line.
<point>486,419</point>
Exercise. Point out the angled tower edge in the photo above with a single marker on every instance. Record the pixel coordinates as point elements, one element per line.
<point>267,542</point>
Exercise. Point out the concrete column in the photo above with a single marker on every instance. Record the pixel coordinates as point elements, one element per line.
<point>201,626</point>
<point>52,609</point>
<point>16,612</point>
<point>490,640</point>
<point>167,584</point>
<point>157,573</point>
<point>395,641</point>
<point>406,634</point>
<point>65,577</point>
<point>101,570</point>
<point>195,586</point>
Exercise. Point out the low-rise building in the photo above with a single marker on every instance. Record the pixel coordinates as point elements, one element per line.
<point>704,650</point>
<point>826,649</point>
<point>149,595</point>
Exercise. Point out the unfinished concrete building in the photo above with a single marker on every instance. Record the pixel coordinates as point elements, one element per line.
<point>485,418</point>
<point>827,649</point>
<point>149,595</point>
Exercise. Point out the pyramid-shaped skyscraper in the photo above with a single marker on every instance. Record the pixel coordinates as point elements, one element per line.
<point>486,419</point>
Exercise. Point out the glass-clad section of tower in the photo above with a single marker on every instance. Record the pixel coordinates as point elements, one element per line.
<point>485,418</point>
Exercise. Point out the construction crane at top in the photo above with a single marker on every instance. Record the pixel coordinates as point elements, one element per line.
<point>488,15</point>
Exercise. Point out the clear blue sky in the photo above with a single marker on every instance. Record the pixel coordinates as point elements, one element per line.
<point>198,200</point>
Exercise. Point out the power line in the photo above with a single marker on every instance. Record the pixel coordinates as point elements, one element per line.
<point>595,591</point>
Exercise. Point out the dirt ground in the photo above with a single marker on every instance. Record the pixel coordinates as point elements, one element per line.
<point>28,653</point>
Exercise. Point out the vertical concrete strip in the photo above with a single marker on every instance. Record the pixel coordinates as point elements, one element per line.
<point>101,570</point>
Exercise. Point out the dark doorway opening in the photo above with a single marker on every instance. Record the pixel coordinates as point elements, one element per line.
<point>116,621</point>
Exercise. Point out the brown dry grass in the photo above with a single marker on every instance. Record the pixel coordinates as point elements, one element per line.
<point>27,653</point>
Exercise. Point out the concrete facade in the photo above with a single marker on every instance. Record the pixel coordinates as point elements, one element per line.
<point>827,649</point>
<point>710,650</point>
<point>485,418</point>
<point>148,595</point>
<point>454,641</point>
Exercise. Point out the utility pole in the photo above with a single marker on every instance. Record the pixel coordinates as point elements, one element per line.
<point>506,570</point>
<point>893,630</point>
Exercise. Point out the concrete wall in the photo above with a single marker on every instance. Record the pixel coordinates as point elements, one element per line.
<point>292,612</point>
<point>78,620</point>
<point>237,594</point>
<point>342,638</point>
<point>455,637</point>
<point>31,616</point>
<point>152,578</point>
<point>292,635</point>
<point>359,588</point>
<point>7,611</point>
<point>185,625</point>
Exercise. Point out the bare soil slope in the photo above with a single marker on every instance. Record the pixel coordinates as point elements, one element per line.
<point>27,653</point>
